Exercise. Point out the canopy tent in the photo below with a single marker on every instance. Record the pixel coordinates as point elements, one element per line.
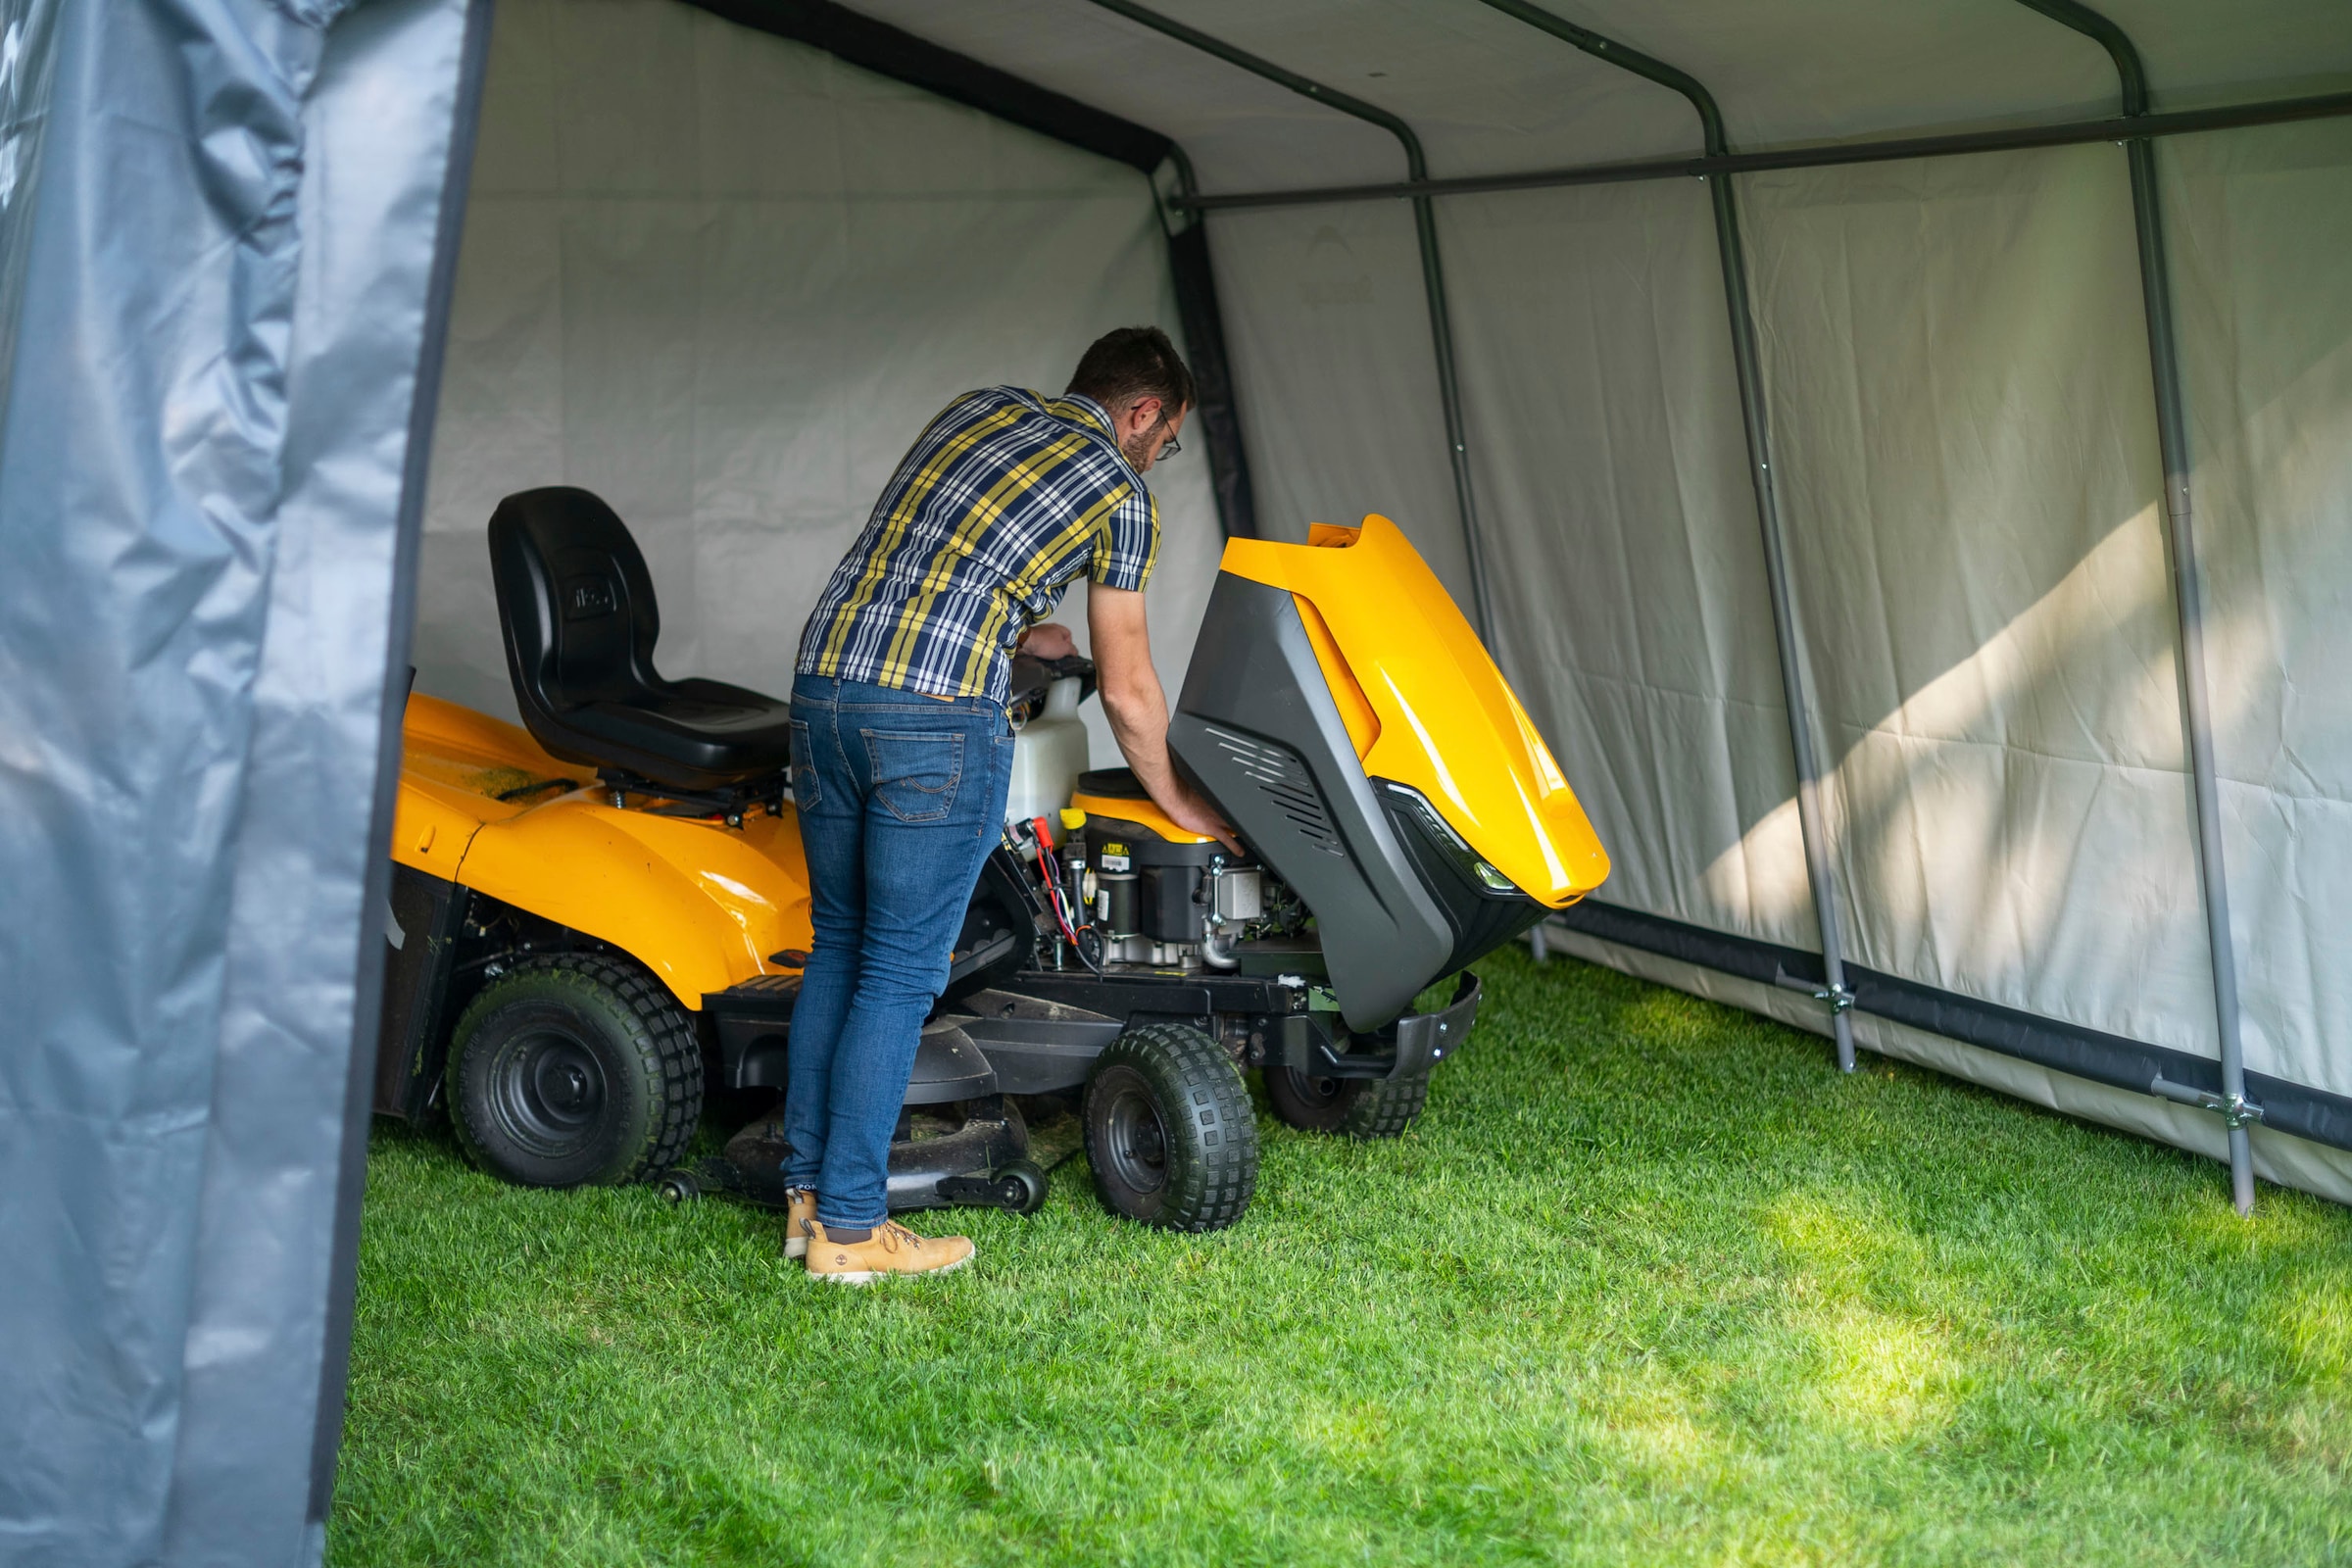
<point>1793,391</point>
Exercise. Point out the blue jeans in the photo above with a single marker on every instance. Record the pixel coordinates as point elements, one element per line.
<point>899,798</point>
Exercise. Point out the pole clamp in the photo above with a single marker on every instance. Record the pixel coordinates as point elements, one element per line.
<point>2235,1111</point>
<point>1840,997</point>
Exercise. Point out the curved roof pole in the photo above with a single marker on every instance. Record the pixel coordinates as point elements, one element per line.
<point>2171,438</point>
<point>1747,367</point>
<point>1425,227</point>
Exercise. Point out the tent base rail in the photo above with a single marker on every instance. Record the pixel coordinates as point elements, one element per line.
<point>2277,1104</point>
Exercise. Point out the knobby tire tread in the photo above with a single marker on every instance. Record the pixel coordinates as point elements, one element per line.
<point>1214,1188</point>
<point>1388,1107</point>
<point>672,1068</point>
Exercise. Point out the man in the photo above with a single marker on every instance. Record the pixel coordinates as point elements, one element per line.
<point>901,755</point>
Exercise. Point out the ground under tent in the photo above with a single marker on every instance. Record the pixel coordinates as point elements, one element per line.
<point>1900,469</point>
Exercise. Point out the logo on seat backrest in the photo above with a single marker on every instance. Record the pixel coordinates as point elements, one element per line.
<point>585,598</point>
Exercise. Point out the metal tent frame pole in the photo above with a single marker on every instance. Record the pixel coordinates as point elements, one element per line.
<point>1747,366</point>
<point>1425,228</point>
<point>1203,320</point>
<point>2171,438</point>
<point>1836,155</point>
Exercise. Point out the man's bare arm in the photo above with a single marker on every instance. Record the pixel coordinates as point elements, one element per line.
<point>1138,710</point>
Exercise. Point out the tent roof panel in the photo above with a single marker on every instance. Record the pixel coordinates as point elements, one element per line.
<point>1808,71</point>
<point>1487,94</point>
<point>1240,132</point>
<point>2199,53</point>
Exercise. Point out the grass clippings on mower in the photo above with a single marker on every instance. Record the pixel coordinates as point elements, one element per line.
<point>1647,1283</point>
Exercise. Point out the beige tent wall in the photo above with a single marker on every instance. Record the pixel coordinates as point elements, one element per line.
<point>723,281</point>
<point>1956,362</point>
<point>1958,376</point>
<point>1621,537</point>
<point>1328,327</point>
<point>2262,255</point>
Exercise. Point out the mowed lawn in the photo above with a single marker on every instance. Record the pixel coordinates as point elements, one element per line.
<point>1648,1283</point>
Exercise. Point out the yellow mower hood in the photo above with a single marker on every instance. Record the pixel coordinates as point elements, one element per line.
<point>1425,703</point>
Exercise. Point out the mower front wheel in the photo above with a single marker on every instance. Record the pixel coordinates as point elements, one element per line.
<point>1353,1107</point>
<point>1169,1130</point>
<point>575,1071</point>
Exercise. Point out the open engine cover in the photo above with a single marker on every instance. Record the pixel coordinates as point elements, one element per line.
<point>1257,729</point>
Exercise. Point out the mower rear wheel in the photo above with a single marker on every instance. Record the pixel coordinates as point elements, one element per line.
<point>575,1071</point>
<point>1354,1107</point>
<point>1169,1130</point>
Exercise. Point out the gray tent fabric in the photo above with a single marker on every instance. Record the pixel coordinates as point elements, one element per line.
<point>27,61</point>
<point>208,450</point>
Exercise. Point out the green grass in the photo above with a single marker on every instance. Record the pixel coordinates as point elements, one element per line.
<point>1648,1283</point>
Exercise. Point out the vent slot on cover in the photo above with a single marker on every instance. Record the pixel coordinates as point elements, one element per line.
<point>1282,774</point>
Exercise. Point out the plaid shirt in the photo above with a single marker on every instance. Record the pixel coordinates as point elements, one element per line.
<point>1003,501</point>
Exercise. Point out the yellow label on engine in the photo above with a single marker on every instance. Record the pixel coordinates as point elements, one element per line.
<point>1114,857</point>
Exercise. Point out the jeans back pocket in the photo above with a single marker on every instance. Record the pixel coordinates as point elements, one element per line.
<point>916,774</point>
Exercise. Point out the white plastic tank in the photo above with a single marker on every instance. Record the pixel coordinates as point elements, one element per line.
<point>1047,755</point>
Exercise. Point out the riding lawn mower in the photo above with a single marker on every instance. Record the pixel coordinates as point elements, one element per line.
<point>601,916</point>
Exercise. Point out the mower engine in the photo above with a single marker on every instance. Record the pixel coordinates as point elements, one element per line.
<point>1126,893</point>
<point>1164,904</point>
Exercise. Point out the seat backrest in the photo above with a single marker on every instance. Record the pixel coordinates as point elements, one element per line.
<point>575,601</point>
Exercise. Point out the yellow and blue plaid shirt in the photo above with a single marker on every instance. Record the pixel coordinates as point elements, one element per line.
<point>1004,501</point>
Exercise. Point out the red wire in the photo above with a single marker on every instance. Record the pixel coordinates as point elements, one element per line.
<point>1046,873</point>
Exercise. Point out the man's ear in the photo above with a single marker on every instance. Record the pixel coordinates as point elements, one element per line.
<point>1144,411</point>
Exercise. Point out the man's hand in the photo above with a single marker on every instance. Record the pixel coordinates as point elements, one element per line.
<point>1191,810</point>
<point>1048,640</point>
<point>1138,710</point>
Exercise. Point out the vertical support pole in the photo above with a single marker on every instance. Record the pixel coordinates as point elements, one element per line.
<point>1449,399</point>
<point>1425,230</point>
<point>2188,612</point>
<point>1747,367</point>
<point>1815,832</point>
<point>1203,324</point>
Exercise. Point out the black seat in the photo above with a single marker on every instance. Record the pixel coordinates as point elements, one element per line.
<point>577,607</point>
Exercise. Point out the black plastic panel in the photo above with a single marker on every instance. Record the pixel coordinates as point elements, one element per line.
<point>753,1021</point>
<point>947,1067</point>
<point>427,915</point>
<point>1256,729</point>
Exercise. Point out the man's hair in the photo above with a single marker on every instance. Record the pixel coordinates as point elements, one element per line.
<point>1130,363</point>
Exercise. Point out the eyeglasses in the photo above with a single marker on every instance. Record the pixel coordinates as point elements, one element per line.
<point>1169,450</point>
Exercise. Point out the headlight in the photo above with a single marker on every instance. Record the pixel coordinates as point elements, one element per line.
<point>1442,833</point>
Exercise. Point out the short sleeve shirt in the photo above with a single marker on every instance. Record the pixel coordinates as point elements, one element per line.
<point>1005,499</point>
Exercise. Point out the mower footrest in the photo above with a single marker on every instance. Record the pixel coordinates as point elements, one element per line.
<point>1408,1048</point>
<point>1425,1038</point>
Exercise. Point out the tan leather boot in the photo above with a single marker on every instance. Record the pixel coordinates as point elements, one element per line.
<point>799,1214</point>
<point>893,1249</point>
